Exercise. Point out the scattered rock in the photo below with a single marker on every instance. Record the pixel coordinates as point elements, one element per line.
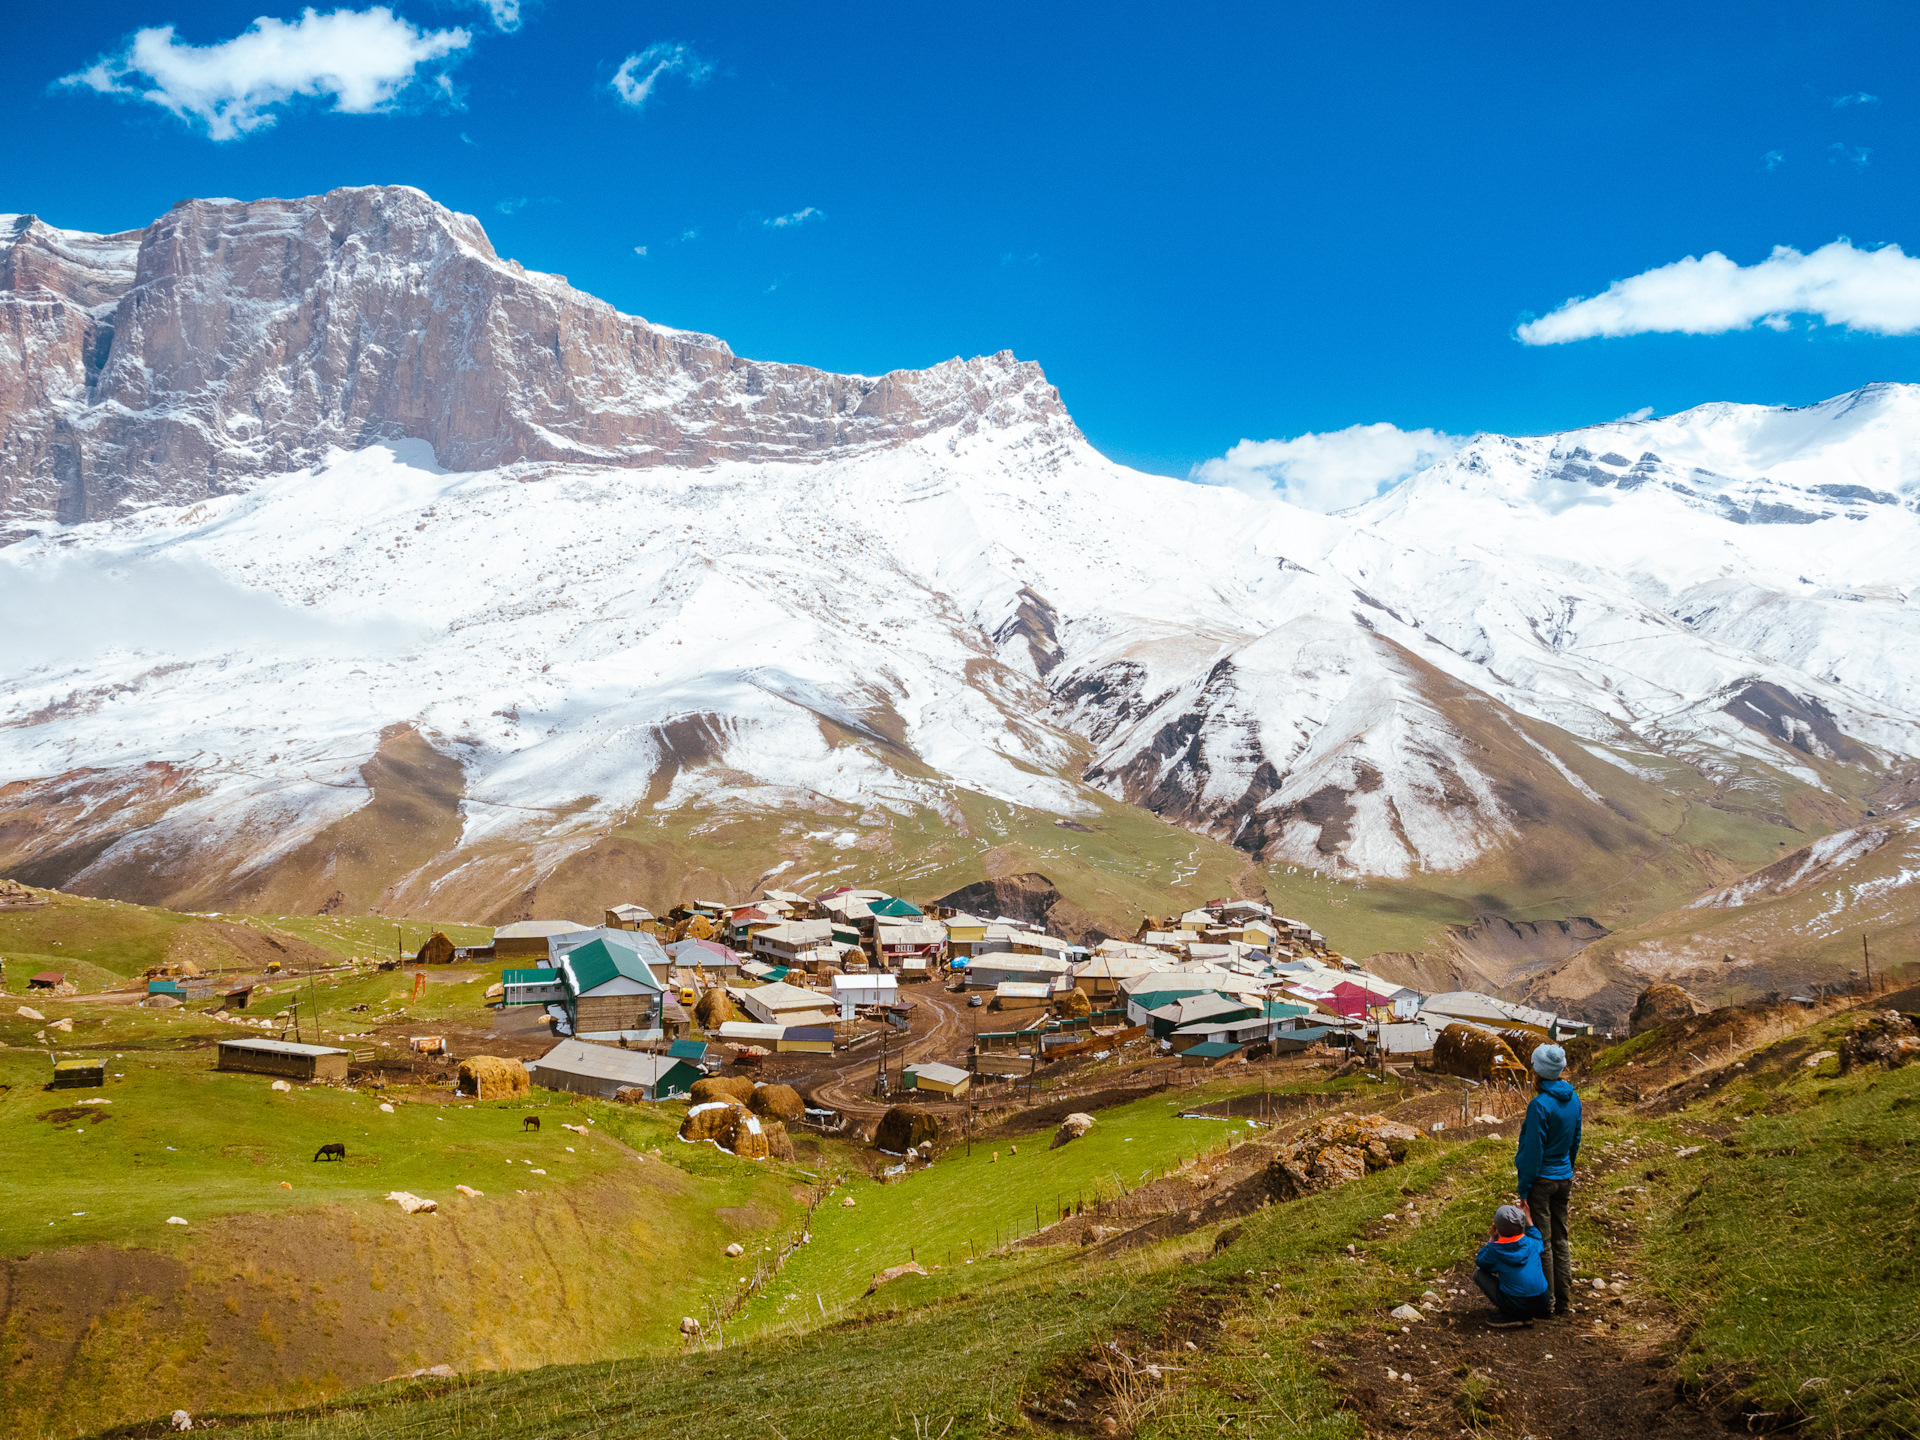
<point>1338,1149</point>
<point>386,1108</point>
<point>64,1025</point>
<point>736,1250</point>
<point>413,1204</point>
<point>1406,1314</point>
<point>469,1191</point>
<point>281,1085</point>
<point>894,1272</point>
<point>847,1203</point>
<point>1883,1037</point>
<point>181,1420</point>
<point>175,1220</point>
<point>1812,1062</point>
<point>1658,1004</point>
<point>1071,1128</point>
<point>27,1012</point>
<point>689,1325</point>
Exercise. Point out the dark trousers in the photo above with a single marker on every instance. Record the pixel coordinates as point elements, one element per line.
<point>1513,1307</point>
<point>1548,1202</point>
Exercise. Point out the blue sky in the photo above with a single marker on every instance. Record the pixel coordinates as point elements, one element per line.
<point>1209,224</point>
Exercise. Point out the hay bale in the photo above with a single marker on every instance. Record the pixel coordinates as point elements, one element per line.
<point>496,991</point>
<point>736,1088</point>
<point>1659,1004</point>
<point>905,1126</point>
<point>1473,1053</point>
<point>488,1077</point>
<point>437,951</point>
<point>777,1102</point>
<point>713,1009</point>
<point>748,1136</point>
<point>710,1120</point>
<point>630,1094</point>
<point>779,1143</point>
<point>1072,1005</point>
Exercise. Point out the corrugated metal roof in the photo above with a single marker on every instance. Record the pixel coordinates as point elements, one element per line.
<point>597,962</point>
<point>281,1047</point>
<point>603,1062</point>
<point>1212,1050</point>
<point>536,929</point>
<point>944,1074</point>
<point>540,975</point>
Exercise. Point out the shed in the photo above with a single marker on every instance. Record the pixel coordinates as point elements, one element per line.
<point>582,1068</point>
<point>709,956</point>
<point>47,980</point>
<point>539,986</point>
<point>851,992</point>
<point>1412,1038</point>
<point>939,1079</point>
<point>1212,1052</point>
<point>164,987</point>
<point>284,1058</point>
<point>694,1052</point>
<point>236,998</point>
<point>784,1004</point>
<point>79,1074</point>
<point>628,917</point>
<point>1022,995</point>
<point>806,1039</point>
<point>742,1032</point>
<point>527,939</point>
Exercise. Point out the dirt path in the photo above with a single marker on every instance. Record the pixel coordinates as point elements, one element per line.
<point>848,1086</point>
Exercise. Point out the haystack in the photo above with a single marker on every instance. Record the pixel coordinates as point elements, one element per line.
<point>1073,1005</point>
<point>488,1077</point>
<point>748,1137</point>
<point>905,1126</point>
<point>777,1102</point>
<point>735,1088</point>
<point>713,1009</point>
<point>1474,1054</point>
<point>437,951</point>
<point>779,1143</point>
<point>1660,1003</point>
<point>710,1120</point>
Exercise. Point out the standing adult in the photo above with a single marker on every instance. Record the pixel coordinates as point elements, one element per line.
<point>1549,1144</point>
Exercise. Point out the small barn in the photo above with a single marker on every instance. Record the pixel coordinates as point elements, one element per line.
<point>79,1074</point>
<point>611,989</point>
<point>47,980</point>
<point>1213,1052</point>
<point>538,986</point>
<point>283,1058</point>
<point>528,939</point>
<point>937,1079</point>
<point>582,1068</point>
<point>630,917</point>
<point>1022,995</point>
<point>805,1040</point>
<point>784,1004</point>
<point>165,987</point>
<point>709,956</point>
<point>851,993</point>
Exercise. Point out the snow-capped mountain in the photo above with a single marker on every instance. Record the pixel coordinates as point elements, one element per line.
<point>297,490</point>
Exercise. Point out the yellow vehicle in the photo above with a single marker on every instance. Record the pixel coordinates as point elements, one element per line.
<point>688,994</point>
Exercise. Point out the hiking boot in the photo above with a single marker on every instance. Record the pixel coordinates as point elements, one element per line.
<point>1563,1308</point>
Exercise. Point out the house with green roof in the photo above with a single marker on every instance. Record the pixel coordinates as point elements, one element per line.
<point>612,986</point>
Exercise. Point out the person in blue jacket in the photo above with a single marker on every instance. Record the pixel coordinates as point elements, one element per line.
<point>1549,1144</point>
<point>1509,1271</point>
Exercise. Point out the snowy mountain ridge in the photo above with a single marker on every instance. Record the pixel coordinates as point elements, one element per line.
<point>336,473</point>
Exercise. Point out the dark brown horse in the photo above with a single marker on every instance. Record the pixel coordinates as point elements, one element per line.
<point>532,1122</point>
<point>335,1151</point>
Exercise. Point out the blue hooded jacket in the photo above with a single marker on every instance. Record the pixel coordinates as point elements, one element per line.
<point>1515,1264</point>
<point>1549,1136</point>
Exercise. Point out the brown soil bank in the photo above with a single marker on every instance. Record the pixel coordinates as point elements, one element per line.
<point>260,1311</point>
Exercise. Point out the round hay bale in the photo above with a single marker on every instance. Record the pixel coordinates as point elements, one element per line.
<point>777,1102</point>
<point>1072,1005</point>
<point>735,1088</point>
<point>1659,1004</point>
<point>488,1077</point>
<point>710,1120</point>
<point>905,1126</point>
<point>713,1009</point>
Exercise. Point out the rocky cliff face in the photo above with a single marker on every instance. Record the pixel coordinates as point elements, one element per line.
<point>229,341</point>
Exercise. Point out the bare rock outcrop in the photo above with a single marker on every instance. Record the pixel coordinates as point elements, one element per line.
<point>1335,1150</point>
<point>1883,1037</point>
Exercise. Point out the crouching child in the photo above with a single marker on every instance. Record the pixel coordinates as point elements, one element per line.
<point>1508,1269</point>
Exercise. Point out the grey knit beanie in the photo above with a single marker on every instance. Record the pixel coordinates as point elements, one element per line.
<point>1549,1061</point>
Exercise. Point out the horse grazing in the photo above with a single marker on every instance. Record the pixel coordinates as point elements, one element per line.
<point>335,1151</point>
<point>532,1122</point>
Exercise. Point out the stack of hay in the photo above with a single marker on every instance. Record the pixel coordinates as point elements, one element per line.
<point>488,1077</point>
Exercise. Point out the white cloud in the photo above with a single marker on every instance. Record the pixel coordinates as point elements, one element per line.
<point>362,59</point>
<point>1774,159</point>
<point>1857,98</point>
<point>1856,155</point>
<point>509,207</point>
<point>689,234</point>
<point>798,217</point>
<point>1877,291</point>
<point>506,13</point>
<point>640,250</point>
<point>1329,471</point>
<point>633,82</point>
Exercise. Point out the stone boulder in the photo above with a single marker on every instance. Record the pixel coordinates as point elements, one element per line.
<point>1071,1128</point>
<point>1881,1037</point>
<point>1660,1003</point>
<point>905,1126</point>
<point>1335,1150</point>
<point>736,1088</point>
<point>894,1272</point>
<point>777,1102</point>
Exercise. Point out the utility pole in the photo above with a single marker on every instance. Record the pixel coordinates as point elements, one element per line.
<point>1866,960</point>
